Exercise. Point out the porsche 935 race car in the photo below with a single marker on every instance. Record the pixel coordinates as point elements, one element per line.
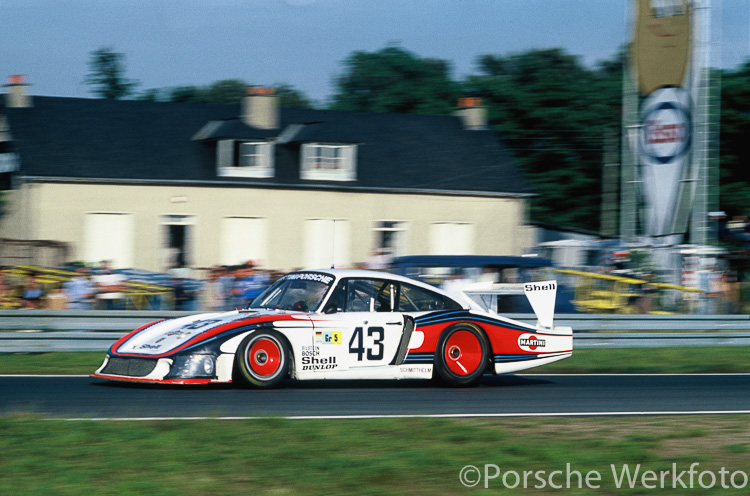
<point>342,324</point>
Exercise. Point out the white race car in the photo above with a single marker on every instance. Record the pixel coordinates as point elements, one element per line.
<point>342,324</point>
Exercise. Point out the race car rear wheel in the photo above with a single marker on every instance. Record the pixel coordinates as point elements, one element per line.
<point>262,359</point>
<point>461,356</point>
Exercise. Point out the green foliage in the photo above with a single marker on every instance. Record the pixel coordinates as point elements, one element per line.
<point>734,145</point>
<point>551,110</point>
<point>189,94</point>
<point>715,359</point>
<point>228,91</point>
<point>51,363</point>
<point>674,360</point>
<point>553,113</point>
<point>291,97</point>
<point>414,456</point>
<point>395,80</point>
<point>225,91</point>
<point>106,76</point>
<point>151,95</point>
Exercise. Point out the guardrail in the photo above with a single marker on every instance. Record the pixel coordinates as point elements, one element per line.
<point>649,322</point>
<point>46,330</point>
<point>80,320</point>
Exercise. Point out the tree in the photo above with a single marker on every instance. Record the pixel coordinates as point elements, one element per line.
<point>395,80</point>
<point>187,94</point>
<point>553,113</point>
<point>292,98</point>
<point>734,147</point>
<point>150,95</point>
<point>106,76</point>
<point>225,91</point>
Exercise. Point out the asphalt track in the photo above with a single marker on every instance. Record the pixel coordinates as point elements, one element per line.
<point>87,398</point>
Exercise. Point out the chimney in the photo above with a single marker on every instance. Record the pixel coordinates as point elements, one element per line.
<point>16,96</point>
<point>260,108</point>
<point>472,113</point>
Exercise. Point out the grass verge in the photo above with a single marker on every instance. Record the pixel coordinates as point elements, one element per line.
<point>75,363</point>
<point>373,457</point>
<point>677,360</point>
<point>717,359</point>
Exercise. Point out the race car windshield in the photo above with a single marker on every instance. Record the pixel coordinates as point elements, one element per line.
<point>301,291</point>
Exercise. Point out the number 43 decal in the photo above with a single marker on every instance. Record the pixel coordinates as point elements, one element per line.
<point>356,344</point>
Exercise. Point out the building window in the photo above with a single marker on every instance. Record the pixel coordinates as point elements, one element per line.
<point>451,238</point>
<point>244,158</point>
<point>390,237</point>
<point>326,243</point>
<point>329,162</point>
<point>109,236</point>
<point>178,240</point>
<point>243,239</point>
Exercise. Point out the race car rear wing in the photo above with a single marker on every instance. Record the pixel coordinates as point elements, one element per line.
<point>541,296</point>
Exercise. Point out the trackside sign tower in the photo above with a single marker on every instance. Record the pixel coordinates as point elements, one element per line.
<point>669,118</point>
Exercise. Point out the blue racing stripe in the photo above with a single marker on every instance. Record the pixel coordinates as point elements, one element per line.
<point>470,317</point>
<point>522,358</point>
<point>419,358</point>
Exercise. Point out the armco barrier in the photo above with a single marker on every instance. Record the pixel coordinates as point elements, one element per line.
<point>80,320</point>
<point>616,322</point>
<point>29,331</point>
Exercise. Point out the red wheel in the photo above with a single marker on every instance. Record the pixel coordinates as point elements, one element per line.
<point>461,356</point>
<point>463,353</point>
<point>262,359</point>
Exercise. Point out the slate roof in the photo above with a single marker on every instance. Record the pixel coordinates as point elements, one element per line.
<point>134,140</point>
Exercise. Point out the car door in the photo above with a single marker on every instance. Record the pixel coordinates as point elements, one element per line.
<point>360,324</point>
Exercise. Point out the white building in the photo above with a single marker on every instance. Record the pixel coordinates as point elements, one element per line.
<point>149,184</point>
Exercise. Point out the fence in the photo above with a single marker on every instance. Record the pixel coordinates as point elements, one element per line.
<point>30,331</point>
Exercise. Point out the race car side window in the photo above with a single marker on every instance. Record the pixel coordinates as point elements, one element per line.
<point>363,295</point>
<point>416,299</point>
<point>336,301</point>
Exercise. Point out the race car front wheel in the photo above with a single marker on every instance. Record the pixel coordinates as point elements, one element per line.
<point>461,356</point>
<point>262,359</point>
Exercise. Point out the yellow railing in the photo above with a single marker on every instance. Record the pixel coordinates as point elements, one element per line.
<point>606,293</point>
<point>137,295</point>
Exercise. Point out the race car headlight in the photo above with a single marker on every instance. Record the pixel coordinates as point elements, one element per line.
<point>191,366</point>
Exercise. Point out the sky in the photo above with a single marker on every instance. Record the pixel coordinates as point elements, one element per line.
<point>304,43</point>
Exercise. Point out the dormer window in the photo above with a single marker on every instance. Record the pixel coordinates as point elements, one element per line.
<point>329,162</point>
<point>244,158</point>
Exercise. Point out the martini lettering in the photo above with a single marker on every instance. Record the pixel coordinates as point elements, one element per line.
<point>533,342</point>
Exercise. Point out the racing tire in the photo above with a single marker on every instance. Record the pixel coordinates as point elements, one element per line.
<point>461,356</point>
<point>263,359</point>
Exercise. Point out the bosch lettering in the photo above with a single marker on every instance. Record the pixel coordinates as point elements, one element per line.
<point>310,351</point>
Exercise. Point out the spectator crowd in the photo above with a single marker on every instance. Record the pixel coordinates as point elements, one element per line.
<point>223,288</point>
<point>101,288</point>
